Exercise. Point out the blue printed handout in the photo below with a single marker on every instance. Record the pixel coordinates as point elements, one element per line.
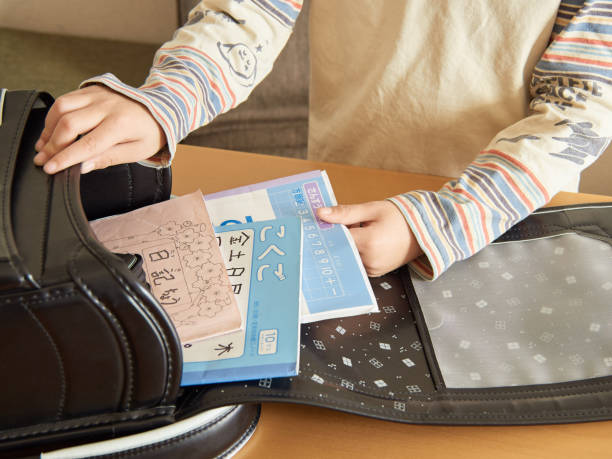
<point>263,261</point>
<point>334,282</point>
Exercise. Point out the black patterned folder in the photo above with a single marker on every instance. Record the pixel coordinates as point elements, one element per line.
<point>520,333</point>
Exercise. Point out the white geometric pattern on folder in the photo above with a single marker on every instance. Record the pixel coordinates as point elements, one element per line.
<point>526,312</point>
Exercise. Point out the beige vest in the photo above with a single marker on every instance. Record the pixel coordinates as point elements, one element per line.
<point>420,85</point>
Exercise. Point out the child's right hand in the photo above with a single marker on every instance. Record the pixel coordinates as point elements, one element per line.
<point>382,235</point>
<point>114,130</point>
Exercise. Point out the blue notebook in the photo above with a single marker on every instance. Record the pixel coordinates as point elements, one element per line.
<point>263,261</point>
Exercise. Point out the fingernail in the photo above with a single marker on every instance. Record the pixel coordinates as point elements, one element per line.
<point>323,211</point>
<point>50,167</point>
<point>86,167</point>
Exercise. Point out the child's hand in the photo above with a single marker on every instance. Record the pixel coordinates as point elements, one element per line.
<point>114,129</point>
<point>382,236</point>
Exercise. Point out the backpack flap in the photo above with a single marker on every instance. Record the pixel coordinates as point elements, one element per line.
<point>87,351</point>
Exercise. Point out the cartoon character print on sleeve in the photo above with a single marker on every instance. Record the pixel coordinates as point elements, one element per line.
<point>241,60</point>
<point>582,142</point>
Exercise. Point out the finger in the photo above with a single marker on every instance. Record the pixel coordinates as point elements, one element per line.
<point>67,129</point>
<point>64,104</point>
<point>366,242</point>
<point>348,214</point>
<point>359,235</point>
<point>87,147</point>
<point>117,154</point>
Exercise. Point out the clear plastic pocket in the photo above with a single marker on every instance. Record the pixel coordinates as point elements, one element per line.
<point>519,313</point>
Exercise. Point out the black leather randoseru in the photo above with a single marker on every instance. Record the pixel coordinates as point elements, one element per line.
<point>83,340</point>
<point>86,351</point>
<point>124,187</point>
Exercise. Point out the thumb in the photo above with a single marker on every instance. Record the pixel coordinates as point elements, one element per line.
<point>348,214</point>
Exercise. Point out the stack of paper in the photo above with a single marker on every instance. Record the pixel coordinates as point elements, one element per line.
<point>264,267</point>
<point>232,296</point>
<point>237,292</point>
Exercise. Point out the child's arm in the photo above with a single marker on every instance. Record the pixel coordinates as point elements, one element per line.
<point>211,65</point>
<point>569,126</point>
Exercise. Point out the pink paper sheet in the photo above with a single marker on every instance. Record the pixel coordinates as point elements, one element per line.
<point>182,262</point>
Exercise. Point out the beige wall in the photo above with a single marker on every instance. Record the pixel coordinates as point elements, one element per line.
<point>144,21</point>
<point>597,179</point>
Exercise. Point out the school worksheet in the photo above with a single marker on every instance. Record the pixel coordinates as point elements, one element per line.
<point>182,261</point>
<point>263,262</point>
<point>334,282</point>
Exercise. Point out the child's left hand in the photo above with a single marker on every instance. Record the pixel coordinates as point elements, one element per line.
<point>382,235</point>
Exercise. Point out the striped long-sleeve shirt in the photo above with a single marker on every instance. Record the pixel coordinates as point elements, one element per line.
<point>227,47</point>
<point>568,127</point>
<point>211,64</point>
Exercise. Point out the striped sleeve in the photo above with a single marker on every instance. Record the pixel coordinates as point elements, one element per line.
<point>568,128</point>
<point>211,64</point>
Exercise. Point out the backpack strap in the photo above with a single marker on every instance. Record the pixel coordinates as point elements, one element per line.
<point>15,110</point>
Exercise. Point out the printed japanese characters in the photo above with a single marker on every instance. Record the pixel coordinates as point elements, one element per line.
<point>263,261</point>
<point>182,262</point>
<point>334,283</point>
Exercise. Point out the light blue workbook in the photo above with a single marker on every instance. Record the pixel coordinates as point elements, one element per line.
<point>334,282</point>
<point>263,262</point>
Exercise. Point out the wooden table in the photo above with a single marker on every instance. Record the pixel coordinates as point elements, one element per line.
<point>303,431</point>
